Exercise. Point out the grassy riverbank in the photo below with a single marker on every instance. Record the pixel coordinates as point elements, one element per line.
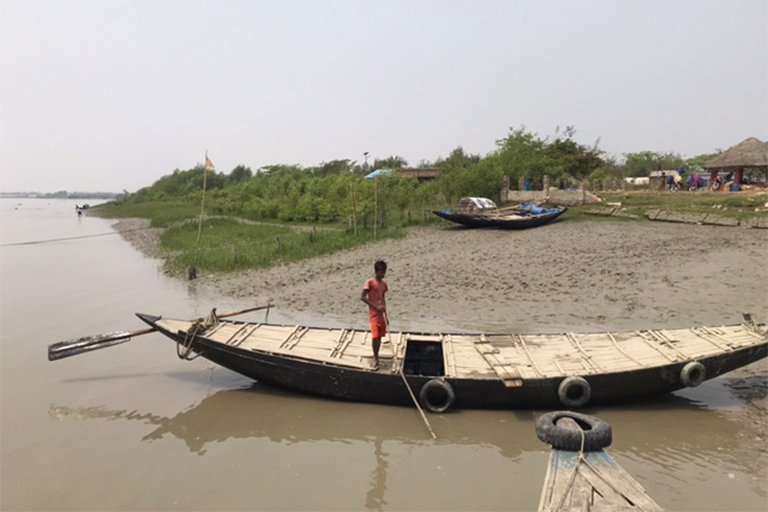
<point>228,244</point>
<point>738,205</point>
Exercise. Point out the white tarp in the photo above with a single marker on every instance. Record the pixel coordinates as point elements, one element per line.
<point>476,203</point>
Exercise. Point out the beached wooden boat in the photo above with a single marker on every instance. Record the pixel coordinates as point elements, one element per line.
<point>470,370</point>
<point>481,212</point>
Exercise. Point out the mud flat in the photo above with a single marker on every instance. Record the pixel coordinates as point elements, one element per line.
<point>570,275</point>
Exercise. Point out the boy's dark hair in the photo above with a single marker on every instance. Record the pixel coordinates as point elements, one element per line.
<point>380,265</point>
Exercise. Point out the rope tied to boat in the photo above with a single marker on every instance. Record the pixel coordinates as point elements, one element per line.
<point>583,460</point>
<point>184,349</point>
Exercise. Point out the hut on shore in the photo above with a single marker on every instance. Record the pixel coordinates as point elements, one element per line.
<point>747,154</point>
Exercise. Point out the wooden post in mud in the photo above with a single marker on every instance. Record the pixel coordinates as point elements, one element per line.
<point>375,206</point>
<point>354,208</point>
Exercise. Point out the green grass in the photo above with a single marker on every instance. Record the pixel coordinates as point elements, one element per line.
<point>160,213</point>
<point>739,205</point>
<point>227,245</point>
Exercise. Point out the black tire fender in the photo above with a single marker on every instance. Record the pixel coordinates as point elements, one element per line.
<point>437,396</point>
<point>693,374</point>
<point>574,391</point>
<point>597,433</point>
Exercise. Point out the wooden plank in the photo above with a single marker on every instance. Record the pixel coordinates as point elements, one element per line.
<point>290,335</point>
<point>245,335</point>
<point>297,337</point>
<point>519,338</point>
<point>665,339</point>
<point>396,353</point>
<point>595,367</point>
<point>450,356</point>
<point>654,345</point>
<point>346,344</point>
<point>616,344</point>
<point>339,342</point>
<point>489,353</point>
<point>711,335</point>
<point>234,334</point>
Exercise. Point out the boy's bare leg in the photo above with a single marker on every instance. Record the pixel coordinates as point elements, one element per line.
<point>376,344</point>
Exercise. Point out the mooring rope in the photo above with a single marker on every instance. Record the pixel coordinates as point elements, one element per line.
<point>583,460</point>
<point>45,241</point>
<point>196,328</point>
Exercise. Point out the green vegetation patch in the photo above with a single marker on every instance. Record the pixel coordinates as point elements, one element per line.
<point>227,245</point>
<point>160,213</point>
<point>738,205</point>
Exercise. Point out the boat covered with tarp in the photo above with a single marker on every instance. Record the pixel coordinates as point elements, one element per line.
<point>469,370</point>
<point>481,212</point>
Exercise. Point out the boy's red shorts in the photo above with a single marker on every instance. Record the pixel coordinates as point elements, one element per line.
<point>378,329</point>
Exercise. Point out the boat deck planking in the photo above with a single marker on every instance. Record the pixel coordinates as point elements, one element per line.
<point>506,357</point>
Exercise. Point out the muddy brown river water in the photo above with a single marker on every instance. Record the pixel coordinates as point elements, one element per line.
<point>135,428</point>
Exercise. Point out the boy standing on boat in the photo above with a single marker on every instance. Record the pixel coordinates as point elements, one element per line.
<point>373,295</point>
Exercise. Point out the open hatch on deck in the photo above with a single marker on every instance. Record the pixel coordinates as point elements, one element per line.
<point>424,358</point>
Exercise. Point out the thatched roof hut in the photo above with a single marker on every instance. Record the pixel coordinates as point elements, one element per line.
<point>749,153</point>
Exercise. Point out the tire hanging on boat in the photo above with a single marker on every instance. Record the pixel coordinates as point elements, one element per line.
<point>597,433</point>
<point>437,396</point>
<point>574,391</point>
<point>693,374</point>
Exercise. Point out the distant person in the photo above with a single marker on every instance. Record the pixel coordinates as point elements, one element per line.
<point>670,181</point>
<point>373,294</point>
<point>694,182</point>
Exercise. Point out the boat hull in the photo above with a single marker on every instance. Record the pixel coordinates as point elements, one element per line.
<point>489,221</point>
<point>387,387</point>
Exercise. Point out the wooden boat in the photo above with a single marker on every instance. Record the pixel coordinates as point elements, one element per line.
<point>481,212</point>
<point>470,370</point>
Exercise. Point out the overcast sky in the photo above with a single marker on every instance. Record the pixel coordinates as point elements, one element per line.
<point>113,94</point>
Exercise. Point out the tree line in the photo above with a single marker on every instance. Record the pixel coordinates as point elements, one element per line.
<point>336,191</point>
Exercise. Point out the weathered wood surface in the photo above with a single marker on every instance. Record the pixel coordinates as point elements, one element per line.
<point>509,358</point>
<point>590,481</point>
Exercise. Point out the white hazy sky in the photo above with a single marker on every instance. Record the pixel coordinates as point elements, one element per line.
<point>112,94</point>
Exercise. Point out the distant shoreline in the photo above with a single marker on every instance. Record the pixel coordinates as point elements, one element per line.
<point>59,195</point>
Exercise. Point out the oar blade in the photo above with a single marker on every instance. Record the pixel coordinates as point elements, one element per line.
<point>70,348</point>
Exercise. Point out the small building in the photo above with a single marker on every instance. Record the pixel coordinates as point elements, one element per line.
<point>658,179</point>
<point>749,153</point>
<point>420,173</point>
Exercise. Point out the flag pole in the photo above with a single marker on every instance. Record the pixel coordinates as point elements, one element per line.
<point>192,271</point>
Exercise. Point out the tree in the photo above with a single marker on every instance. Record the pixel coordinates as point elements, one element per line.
<point>643,162</point>
<point>392,162</point>
<point>238,174</point>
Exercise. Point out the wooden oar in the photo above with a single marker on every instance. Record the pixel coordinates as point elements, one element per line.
<point>408,387</point>
<point>85,344</point>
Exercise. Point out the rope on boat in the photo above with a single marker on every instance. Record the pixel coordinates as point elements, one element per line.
<point>32,242</point>
<point>184,349</point>
<point>572,478</point>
